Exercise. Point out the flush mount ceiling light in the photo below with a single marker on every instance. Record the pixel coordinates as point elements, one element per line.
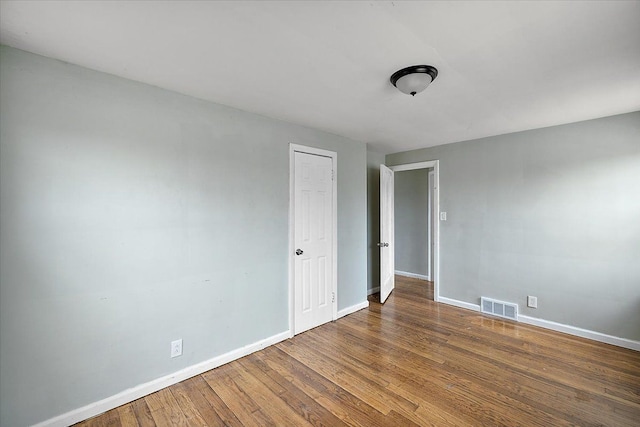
<point>414,79</point>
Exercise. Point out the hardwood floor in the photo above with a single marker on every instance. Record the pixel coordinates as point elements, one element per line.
<point>410,362</point>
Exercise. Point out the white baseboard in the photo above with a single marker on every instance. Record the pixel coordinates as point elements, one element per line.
<point>559,327</point>
<point>579,332</point>
<point>353,309</point>
<point>142,390</point>
<point>413,275</point>
<point>373,290</point>
<point>461,304</point>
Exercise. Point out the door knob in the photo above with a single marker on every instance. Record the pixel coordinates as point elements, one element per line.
<point>299,251</point>
<point>383,245</point>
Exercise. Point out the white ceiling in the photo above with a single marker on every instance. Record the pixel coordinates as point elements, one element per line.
<point>503,66</point>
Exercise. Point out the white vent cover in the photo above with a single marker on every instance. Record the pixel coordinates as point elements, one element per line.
<point>507,310</point>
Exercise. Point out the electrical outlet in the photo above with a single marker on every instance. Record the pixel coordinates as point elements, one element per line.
<point>176,348</point>
<point>532,301</point>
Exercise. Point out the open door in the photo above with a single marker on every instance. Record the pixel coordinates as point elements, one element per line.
<point>387,262</point>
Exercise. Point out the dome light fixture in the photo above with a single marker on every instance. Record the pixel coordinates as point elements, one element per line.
<point>414,79</point>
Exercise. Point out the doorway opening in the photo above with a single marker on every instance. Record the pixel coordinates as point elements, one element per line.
<point>428,227</point>
<point>413,221</point>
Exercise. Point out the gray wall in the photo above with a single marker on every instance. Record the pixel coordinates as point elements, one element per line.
<point>411,191</point>
<point>552,212</point>
<point>132,216</point>
<point>374,160</point>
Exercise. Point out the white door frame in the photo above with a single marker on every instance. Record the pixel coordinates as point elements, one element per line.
<point>435,164</point>
<point>293,148</point>
<point>430,224</point>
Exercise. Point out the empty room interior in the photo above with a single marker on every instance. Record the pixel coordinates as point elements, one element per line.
<point>356,213</point>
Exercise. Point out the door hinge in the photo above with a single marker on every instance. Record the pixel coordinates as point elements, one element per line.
<point>333,175</point>
<point>333,297</point>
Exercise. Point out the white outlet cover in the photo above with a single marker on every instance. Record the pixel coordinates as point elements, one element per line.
<point>176,348</point>
<point>443,216</point>
<point>532,301</point>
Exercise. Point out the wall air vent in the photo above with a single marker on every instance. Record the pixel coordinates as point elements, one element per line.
<point>494,307</point>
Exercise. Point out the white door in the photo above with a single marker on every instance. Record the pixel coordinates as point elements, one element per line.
<point>387,262</point>
<point>313,241</point>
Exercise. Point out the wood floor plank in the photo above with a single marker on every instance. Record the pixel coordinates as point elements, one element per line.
<point>355,384</point>
<point>222,381</point>
<point>409,362</point>
<point>190,390</point>
<point>165,410</point>
<point>215,402</point>
<point>391,376</point>
<point>270,403</point>
<point>303,404</point>
<point>396,419</point>
<point>108,419</point>
<point>300,376</point>
<point>340,402</point>
<point>127,416</point>
<point>190,409</point>
<point>143,413</point>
